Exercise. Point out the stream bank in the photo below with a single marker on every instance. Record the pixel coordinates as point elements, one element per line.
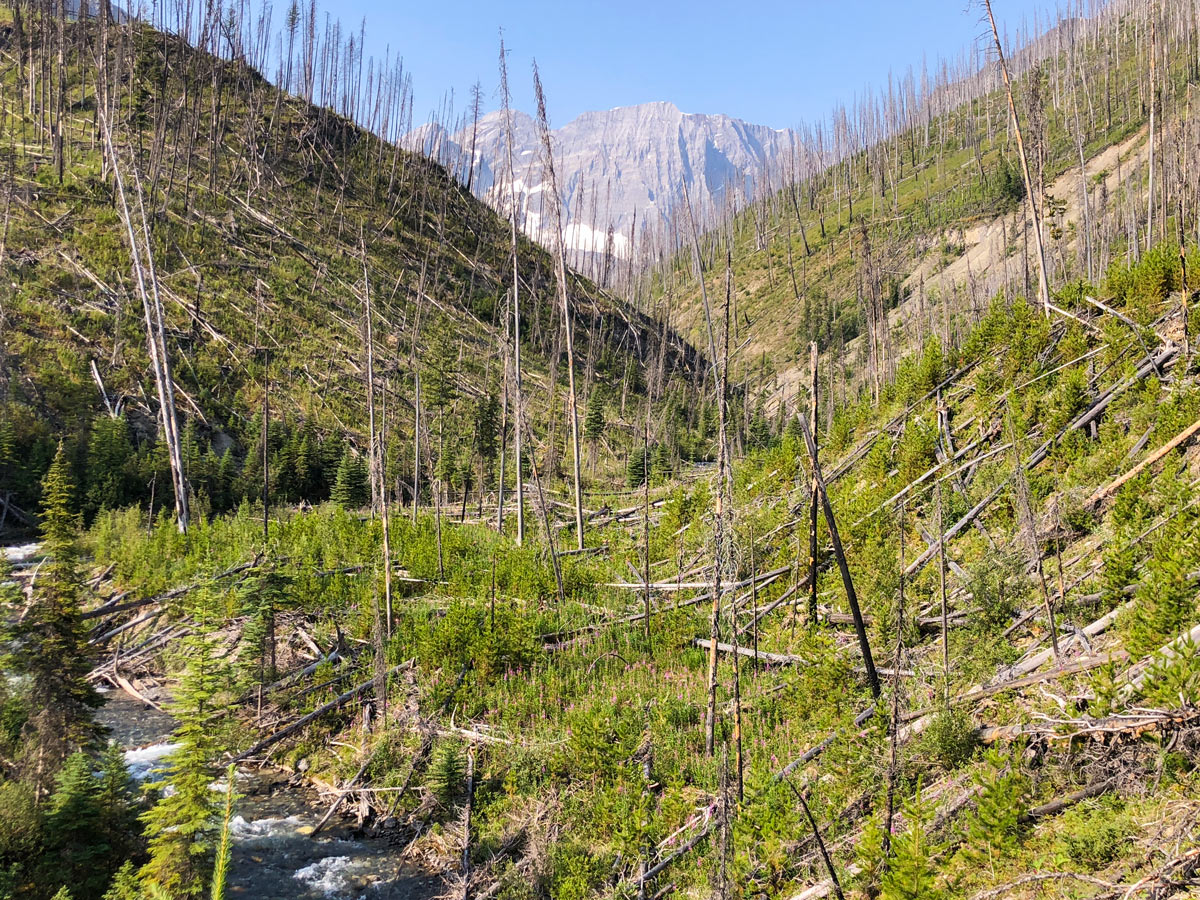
<point>275,856</point>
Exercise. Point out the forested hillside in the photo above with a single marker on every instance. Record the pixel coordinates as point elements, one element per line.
<point>266,225</point>
<point>906,213</point>
<point>895,598</point>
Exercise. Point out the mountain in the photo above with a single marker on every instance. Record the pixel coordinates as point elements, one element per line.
<point>614,166</point>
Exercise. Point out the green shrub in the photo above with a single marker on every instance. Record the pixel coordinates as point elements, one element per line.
<point>949,739</point>
<point>1094,834</point>
<point>993,829</point>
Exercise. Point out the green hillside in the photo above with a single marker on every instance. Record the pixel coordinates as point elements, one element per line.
<point>918,232</point>
<point>260,245</point>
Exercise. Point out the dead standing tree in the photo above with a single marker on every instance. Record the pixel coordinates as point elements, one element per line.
<point>515,296</point>
<point>560,274</point>
<point>1030,202</point>
<point>146,280</point>
<point>719,381</point>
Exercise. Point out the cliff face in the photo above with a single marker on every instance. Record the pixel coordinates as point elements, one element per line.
<point>613,166</point>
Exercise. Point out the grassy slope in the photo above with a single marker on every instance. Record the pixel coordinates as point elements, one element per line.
<point>269,260</point>
<point>943,194</point>
<point>569,724</point>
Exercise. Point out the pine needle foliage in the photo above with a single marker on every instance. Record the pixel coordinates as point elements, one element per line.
<point>182,827</point>
<point>51,642</point>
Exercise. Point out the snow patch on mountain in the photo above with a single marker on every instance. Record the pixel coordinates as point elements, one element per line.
<point>618,171</point>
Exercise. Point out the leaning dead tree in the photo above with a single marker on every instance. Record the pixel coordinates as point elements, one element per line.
<point>1030,201</point>
<point>146,280</point>
<point>560,274</point>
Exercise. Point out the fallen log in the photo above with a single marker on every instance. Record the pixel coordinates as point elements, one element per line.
<point>1165,653</point>
<point>168,595</point>
<point>1130,725</point>
<point>277,736</point>
<point>1113,486</point>
<point>1020,669</point>
<point>696,585</point>
<point>132,623</point>
<point>556,640</point>
<point>783,659</point>
<point>1054,807</point>
<point>342,793</point>
<point>1072,668</point>
<point>1148,365</point>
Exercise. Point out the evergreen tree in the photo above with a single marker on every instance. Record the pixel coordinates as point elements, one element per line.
<point>117,798</point>
<point>994,828</point>
<point>76,845</point>
<point>182,826</point>
<point>635,467</point>
<point>911,874</point>
<point>593,422</point>
<point>487,427</point>
<point>350,487</point>
<point>661,464</point>
<point>1167,596</point>
<point>109,452</point>
<point>439,381</point>
<point>51,641</point>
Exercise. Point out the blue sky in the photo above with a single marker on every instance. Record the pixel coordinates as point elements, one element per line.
<point>768,62</point>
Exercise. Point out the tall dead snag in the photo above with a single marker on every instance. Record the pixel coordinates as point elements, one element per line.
<point>466,850</point>
<point>812,823</point>
<point>721,528</point>
<point>1031,205</point>
<point>515,297</point>
<point>560,274</point>
<point>719,376</point>
<point>894,729</point>
<point>60,98</point>
<point>941,530</point>
<point>1153,105</point>
<point>378,626</point>
<point>1183,307</point>
<point>646,518</point>
<point>375,445</point>
<point>860,627</point>
<point>545,515</point>
<point>812,519</point>
<point>146,280</point>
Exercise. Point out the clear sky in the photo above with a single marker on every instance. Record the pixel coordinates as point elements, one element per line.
<point>770,62</point>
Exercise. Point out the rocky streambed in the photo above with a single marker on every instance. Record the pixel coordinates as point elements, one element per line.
<point>275,854</point>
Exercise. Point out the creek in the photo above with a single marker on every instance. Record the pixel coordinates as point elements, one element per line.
<point>275,855</point>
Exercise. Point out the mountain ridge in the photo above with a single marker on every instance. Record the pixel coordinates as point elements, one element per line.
<point>618,169</point>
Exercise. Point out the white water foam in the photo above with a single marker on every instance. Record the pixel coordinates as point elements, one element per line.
<point>256,829</point>
<point>145,762</point>
<point>327,875</point>
<point>20,553</point>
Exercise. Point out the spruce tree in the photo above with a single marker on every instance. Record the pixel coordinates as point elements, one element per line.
<point>1167,596</point>
<point>51,642</point>
<point>350,486</point>
<point>912,873</point>
<point>76,846</point>
<point>593,422</point>
<point>994,828</point>
<point>108,458</point>
<point>487,427</point>
<point>182,826</point>
<point>117,797</point>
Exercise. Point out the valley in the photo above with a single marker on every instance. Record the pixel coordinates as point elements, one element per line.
<point>830,529</point>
